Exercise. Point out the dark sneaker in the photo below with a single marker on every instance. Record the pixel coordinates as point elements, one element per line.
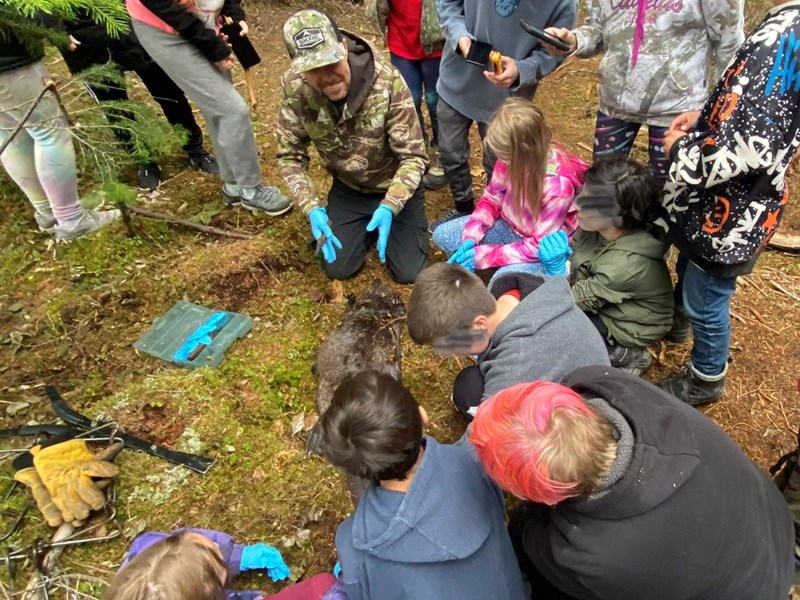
<point>46,223</point>
<point>693,387</point>
<point>632,360</point>
<point>267,199</point>
<point>451,214</point>
<point>203,161</point>
<point>680,328</point>
<point>91,221</point>
<point>434,179</point>
<point>149,177</point>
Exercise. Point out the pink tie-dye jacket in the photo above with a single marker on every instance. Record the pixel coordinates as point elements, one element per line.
<point>562,183</point>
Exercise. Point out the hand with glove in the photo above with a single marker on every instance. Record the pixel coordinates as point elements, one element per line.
<point>67,469</point>
<point>382,221</point>
<point>465,255</point>
<point>263,556</point>
<point>553,253</point>
<point>321,230</point>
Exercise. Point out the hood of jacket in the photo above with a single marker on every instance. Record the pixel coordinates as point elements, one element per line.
<point>361,58</point>
<point>417,533</point>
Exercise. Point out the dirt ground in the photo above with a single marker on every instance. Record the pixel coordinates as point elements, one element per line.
<point>69,316</point>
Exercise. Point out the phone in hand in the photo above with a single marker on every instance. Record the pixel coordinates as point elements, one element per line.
<point>479,53</point>
<point>545,37</point>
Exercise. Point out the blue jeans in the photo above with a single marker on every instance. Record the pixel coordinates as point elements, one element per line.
<point>447,237</point>
<point>706,299</point>
<point>419,74</point>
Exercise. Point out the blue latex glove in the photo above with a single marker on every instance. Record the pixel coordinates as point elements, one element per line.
<point>318,217</point>
<point>465,255</point>
<point>201,335</point>
<point>337,569</point>
<point>382,221</point>
<point>553,253</point>
<point>262,556</point>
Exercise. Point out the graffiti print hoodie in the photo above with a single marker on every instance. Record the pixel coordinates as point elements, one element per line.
<point>727,188</point>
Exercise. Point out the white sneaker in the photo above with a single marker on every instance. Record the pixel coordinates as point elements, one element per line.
<point>91,221</point>
<point>45,222</point>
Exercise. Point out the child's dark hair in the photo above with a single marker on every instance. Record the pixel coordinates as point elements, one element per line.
<point>637,189</point>
<point>446,298</point>
<point>373,427</point>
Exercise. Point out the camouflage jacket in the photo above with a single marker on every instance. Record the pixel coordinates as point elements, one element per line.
<point>376,144</point>
<point>430,36</point>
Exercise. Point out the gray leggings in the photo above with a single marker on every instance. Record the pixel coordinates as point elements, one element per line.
<point>224,110</point>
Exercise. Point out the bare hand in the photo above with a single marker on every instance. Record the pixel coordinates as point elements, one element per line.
<point>464,44</point>
<point>245,29</point>
<point>670,137</point>
<point>226,64</point>
<point>684,122</point>
<point>566,36</point>
<point>73,43</point>
<point>508,77</point>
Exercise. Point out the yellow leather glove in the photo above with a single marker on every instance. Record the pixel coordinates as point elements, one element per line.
<point>43,499</point>
<point>66,469</point>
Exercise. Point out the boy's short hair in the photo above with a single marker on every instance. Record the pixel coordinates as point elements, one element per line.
<point>446,298</point>
<point>373,427</point>
<point>542,442</point>
<point>637,189</point>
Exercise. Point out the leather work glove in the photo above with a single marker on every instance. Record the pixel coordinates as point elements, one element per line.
<point>553,253</point>
<point>465,255</point>
<point>382,221</point>
<point>318,217</point>
<point>44,501</point>
<point>66,469</point>
<point>263,556</point>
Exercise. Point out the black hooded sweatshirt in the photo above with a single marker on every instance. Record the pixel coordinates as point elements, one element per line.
<point>692,518</point>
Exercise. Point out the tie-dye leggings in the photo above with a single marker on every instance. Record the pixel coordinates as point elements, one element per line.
<point>614,137</point>
<point>41,157</point>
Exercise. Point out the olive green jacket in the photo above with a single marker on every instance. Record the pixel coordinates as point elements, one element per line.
<point>431,36</point>
<point>626,281</point>
<point>373,145</point>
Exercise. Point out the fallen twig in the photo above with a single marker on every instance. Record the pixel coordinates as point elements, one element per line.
<point>151,214</point>
<point>785,242</point>
<point>738,318</point>
<point>780,288</point>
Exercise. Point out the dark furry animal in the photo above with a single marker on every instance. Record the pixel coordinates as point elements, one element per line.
<point>367,338</point>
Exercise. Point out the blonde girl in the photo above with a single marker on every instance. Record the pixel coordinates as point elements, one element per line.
<point>531,194</point>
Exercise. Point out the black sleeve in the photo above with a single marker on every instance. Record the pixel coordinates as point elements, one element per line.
<point>234,10</point>
<point>189,27</point>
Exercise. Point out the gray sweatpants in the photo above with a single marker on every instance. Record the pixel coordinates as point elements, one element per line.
<point>224,110</point>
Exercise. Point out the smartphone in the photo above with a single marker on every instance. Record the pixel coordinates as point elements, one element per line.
<point>479,53</point>
<point>538,33</point>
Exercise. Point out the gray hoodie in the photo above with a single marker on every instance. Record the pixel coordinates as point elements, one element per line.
<point>443,538</point>
<point>545,337</point>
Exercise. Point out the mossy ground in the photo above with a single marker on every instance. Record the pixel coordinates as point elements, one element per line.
<point>69,316</point>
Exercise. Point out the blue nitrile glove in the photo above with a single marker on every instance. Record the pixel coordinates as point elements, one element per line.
<point>382,221</point>
<point>553,253</point>
<point>262,556</point>
<point>337,569</point>
<point>318,217</point>
<point>201,335</point>
<point>465,255</point>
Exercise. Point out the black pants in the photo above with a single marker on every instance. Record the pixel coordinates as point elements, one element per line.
<point>542,588</point>
<point>407,249</point>
<point>168,95</point>
<point>468,390</point>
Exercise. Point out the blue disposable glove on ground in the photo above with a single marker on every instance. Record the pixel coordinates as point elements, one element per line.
<point>382,221</point>
<point>262,556</point>
<point>465,255</point>
<point>553,253</point>
<point>318,217</point>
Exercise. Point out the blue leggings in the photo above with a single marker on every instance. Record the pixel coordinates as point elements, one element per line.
<point>614,137</point>
<point>419,74</point>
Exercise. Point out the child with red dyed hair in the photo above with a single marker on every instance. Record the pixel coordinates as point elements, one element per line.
<point>631,494</point>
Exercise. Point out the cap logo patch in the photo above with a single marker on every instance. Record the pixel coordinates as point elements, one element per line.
<point>308,38</point>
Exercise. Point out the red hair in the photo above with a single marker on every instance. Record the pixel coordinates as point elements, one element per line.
<point>542,442</point>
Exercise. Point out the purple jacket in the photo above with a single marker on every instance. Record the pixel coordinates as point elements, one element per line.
<point>231,553</point>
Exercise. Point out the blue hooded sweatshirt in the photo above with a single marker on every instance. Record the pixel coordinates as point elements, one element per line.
<point>443,538</point>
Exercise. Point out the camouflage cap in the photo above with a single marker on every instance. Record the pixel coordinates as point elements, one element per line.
<point>313,40</point>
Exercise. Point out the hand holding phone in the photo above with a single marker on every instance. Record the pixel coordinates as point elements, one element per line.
<point>544,36</point>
